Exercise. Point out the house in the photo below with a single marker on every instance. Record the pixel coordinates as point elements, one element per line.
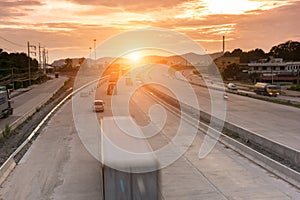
<point>275,70</point>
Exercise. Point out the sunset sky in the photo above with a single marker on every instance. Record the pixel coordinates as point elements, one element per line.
<point>67,28</point>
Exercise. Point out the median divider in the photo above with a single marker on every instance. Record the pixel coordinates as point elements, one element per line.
<point>10,163</point>
<point>23,118</point>
<point>284,153</point>
<point>255,96</point>
<point>6,168</point>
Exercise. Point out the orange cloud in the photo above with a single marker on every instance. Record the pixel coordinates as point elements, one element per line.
<point>67,27</point>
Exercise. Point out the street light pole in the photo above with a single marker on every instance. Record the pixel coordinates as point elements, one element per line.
<point>298,76</point>
<point>90,57</point>
<point>95,51</point>
<point>272,73</point>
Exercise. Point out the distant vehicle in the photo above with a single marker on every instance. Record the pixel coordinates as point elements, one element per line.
<point>267,89</point>
<point>111,89</point>
<point>5,103</point>
<point>98,105</point>
<point>128,82</point>
<point>114,77</point>
<point>232,86</point>
<point>124,71</point>
<point>225,96</point>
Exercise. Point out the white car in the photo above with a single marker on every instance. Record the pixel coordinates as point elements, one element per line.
<point>232,86</point>
<point>98,106</point>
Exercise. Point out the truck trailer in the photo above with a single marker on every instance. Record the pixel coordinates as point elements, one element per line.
<point>5,103</point>
<point>130,169</point>
<point>267,89</point>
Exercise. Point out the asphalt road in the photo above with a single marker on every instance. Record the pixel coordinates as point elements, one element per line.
<point>29,100</point>
<point>223,174</point>
<point>58,166</point>
<point>273,121</point>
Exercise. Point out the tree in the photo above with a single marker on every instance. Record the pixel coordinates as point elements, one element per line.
<point>252,55</point>
<point>289,51</point>
<point>81,60</point>
<point>246,57</point>
<point>237,53</point>
<point>68,63</point>
<point>231,71</point>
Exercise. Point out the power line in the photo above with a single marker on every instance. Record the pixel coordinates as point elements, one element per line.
<point>12,42</point>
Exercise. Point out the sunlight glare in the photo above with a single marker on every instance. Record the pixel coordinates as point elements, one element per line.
<point>135,56</point>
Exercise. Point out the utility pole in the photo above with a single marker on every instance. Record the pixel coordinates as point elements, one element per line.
<point>12,78</point>
<point>44,59</point>
<point>47,60</point>
<point>29,47</point>
<point>40,64</point>
<point>223,44</point>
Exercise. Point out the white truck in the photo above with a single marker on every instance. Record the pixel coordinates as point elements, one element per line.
<point>130,169</point>
<point>5,103</point>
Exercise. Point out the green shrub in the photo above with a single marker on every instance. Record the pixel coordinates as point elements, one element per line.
<point>1,139</point>
<point>6,132</point>
<point>295,88</point>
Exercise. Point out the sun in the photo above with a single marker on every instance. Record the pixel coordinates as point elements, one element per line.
<point>135,56</point>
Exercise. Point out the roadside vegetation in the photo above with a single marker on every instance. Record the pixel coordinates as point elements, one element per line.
<point>288,51</point>
<point>294,88</point>
<point>11,139</point>
<point>14,70</point>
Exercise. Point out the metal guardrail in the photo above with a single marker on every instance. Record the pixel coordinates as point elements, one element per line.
<point>10,163</point>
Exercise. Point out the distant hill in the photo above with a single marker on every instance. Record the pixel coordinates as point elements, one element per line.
<point>188,58</point>
<point>58,63</point>
<point>61,62</point>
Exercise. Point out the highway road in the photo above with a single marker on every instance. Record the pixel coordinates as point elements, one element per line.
<point>195,79</point>
<point>57,165</point>
<point>29,100</point>
<point>273,121</point>
<point>223,174</point>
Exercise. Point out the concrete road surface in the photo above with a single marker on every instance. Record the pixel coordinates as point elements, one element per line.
<point>273,121</point>
<point>28,101</point>
<point>223,174</point>
<point>57,166</point>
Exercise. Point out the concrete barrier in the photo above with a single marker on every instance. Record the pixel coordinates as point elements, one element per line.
<point>10,163</point>
<point>271,165</point>
<point>272,147</point>
<point>6,168</point>
<point>24,117</point>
